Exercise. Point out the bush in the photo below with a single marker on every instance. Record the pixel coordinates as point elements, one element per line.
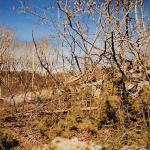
<point>7,139</point>
<point>42,126</point>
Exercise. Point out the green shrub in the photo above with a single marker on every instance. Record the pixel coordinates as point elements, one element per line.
<point>7,139</point>
<point>89,124</point>
<point>86,94</point>
<point>59,127</point>
<point>66,127</point>
<point>42,126</point>
<point>52,147</point>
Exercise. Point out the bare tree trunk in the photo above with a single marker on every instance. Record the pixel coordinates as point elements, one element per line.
<point>8,69</point>
<point>0,75</point>
<point>62,51</point>
<point>33,67</point>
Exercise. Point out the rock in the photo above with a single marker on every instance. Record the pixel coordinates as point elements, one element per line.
<point>74,139</point>
<point>140,85</point>
<point>129,86</point>
<point>143,84</point>
<point>134,89</point>
<point>66,144</point>
<point>148,72</point>
<point>27,97</point>
<point>137,75</point>
<point>132,71</point>
<point>44,147</point>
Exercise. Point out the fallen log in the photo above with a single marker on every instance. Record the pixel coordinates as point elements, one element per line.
<point>65,111</point>
<point>32,112</point>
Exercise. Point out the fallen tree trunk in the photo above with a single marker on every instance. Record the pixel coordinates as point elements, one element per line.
<point>48,112</point>
<point>65,111</point>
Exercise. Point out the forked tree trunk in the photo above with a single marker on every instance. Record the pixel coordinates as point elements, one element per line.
<point>0,76</point>
<point>33,67</point>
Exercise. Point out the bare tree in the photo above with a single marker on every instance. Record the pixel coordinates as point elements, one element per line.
<point>106,33</point>
<point>7,44</point>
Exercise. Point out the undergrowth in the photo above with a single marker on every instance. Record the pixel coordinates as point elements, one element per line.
<point>117,122</point>
<point>7,139</point>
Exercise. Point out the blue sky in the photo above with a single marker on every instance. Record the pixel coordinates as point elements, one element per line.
<point>24,24</point>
